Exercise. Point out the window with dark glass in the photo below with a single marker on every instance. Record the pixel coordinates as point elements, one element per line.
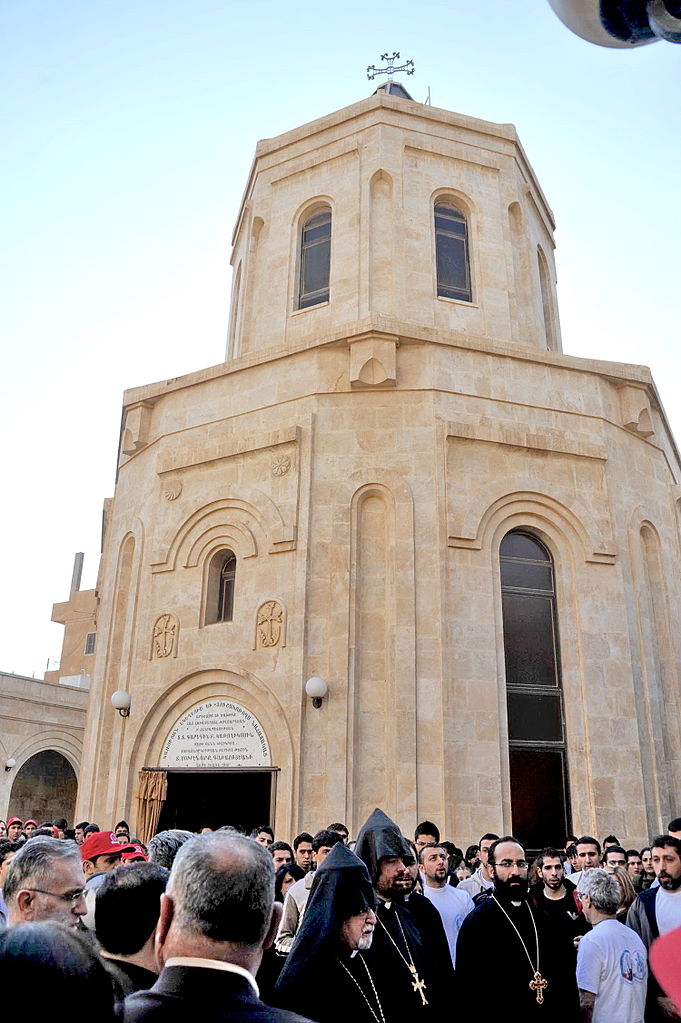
<point>451,252</point>
<point>90,642</point>
<point>315,260</point>
<point>221,582</point>
<point>534,697</point>
<point>226,594</point>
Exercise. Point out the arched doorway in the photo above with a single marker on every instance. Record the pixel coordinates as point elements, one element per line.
<point>219,769</point>
<point>45,787</point>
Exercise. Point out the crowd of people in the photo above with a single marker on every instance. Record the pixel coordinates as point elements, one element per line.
<point>379,929</point>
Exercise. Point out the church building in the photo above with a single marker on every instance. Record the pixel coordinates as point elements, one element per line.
<point>398,549</point>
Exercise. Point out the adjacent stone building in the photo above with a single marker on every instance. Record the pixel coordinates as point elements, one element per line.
<point>41,746</point>
<point>398,483</point>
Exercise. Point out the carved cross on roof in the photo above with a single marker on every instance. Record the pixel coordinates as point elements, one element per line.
<point>390,70</point>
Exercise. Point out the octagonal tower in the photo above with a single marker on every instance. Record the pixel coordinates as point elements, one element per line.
<point>396,482</point>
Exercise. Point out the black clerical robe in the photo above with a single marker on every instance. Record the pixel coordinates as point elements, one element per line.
<point>417,923</point>
<point>321,978</point>
<point>494,972</point>
<point>339,989</point>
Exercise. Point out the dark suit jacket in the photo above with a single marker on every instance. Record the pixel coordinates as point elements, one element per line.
<point>213,996</point>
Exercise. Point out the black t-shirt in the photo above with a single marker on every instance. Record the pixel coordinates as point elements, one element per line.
<point>562,914</point>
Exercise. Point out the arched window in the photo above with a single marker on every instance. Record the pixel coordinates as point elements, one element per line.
<point>534,697</point>
<point>451,252</point>
<point>220,595</point>
<point>315,259</point>
<point>546,301</point>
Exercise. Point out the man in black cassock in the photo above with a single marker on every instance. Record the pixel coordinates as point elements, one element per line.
<point>509,959</point>
<point>326,976</point>
<point>409,957</point>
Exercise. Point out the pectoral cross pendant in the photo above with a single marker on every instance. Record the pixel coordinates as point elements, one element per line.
<point>538,984</point>
<point>418,984</point>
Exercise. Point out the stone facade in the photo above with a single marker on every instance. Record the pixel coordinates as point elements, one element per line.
<point>363,458</point>
<point>41,729</point>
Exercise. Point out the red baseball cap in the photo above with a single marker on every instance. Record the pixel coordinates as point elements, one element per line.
<point>136,852</point>
<point>30,821</point>
<point>14,820</point>
<point>102,843</point>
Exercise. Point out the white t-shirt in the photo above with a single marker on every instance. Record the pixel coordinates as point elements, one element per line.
<point>668,909</point>
<point>577,877</point>
<point>452,905</point>
<point>612,964</point>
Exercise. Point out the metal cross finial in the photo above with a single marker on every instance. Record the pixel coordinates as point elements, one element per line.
<point>390,70</point>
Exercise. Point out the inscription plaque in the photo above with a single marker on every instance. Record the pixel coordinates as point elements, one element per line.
<point>217,733</point>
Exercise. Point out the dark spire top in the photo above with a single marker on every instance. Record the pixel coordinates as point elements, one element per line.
<point>390,87</point>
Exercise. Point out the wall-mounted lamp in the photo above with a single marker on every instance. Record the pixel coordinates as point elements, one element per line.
<point>316,688</point>
<point>120,701</point>
<point>10,763</point>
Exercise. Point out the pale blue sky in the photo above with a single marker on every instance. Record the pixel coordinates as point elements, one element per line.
<point>127,132</point>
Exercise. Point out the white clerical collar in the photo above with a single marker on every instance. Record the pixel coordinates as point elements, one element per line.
<point>214,964</point>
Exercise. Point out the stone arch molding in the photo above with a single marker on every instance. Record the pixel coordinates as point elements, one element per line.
<point>395,487</point>
<point>570,516</point>
<point>381,181</point>
<point>212,684</point>
<point>53,741</point>
<point>250,521</point>
<point>640,517</point>
<point>454,195</point>
<point>308,207</point>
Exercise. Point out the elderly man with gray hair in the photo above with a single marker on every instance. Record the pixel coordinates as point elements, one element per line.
<point>612,971</point>
<point>45,881</point>
<point>217,916</point>
<point>164,846</point>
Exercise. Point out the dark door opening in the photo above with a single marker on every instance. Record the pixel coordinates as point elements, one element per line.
<point>211,799</point>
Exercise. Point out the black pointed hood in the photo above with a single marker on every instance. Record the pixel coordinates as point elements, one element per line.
<point>379,838</point>
<point>341,889</point>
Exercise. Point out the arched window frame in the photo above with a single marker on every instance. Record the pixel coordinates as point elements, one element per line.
<point>458,206</point>
<point>535,705</point>
<point>234,313</point>
<point>547,300</point>
<point>220,587</point>
<point>306,249</point>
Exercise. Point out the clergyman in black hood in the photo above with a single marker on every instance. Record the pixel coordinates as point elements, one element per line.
<point>409,957</point>
<point>326,976</point>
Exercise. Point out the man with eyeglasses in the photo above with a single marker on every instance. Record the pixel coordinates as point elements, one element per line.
<point>510,961</point>
<point>45,881</point>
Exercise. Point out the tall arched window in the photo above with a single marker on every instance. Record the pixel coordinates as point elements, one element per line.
<point>220,592</point>
<point>546,301</point>
<point>315,259</point>
<point>534,696</point>
<point>451,252</point>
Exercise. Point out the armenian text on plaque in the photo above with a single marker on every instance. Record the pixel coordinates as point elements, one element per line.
<point>217,733</point>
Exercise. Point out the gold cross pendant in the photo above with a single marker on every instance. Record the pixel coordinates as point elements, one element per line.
<point>418,984</point>
<point>538,984</point>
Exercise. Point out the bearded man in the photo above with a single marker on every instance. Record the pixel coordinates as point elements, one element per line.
<point>509,961</point>
<point>409,957</point>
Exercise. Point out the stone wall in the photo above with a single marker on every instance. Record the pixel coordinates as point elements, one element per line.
<point>41,728</point>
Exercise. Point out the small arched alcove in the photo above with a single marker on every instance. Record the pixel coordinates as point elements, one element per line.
<point>45,787</point>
